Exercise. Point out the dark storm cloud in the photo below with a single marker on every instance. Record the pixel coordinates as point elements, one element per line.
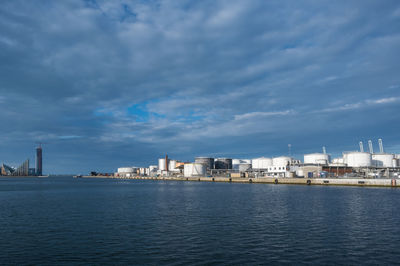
<point>110,83</point>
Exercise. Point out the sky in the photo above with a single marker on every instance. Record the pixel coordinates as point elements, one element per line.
<point>106,84</point>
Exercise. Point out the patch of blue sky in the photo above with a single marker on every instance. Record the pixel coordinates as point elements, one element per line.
<point>139,111</point>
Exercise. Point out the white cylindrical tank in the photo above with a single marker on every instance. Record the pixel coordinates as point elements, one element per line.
<point>382,160</point>
<point>194,169</point>
<point>358,159</point>
<point>142,171</point>
<point>281,161</point>
<point>395,162</point>
<point>172,165</point>
<point>300,172</point>
<point>124,170</point>
<point>261,163</point>
<point>243,167</point>
<point>316,158</point>
<point>161,164</point>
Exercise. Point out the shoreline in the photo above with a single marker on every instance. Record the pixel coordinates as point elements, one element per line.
<point>27,176</point>
<point>359,182</point>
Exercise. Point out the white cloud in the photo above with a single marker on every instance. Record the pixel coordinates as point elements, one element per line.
<point>359,105</point>
<point>254,115</point>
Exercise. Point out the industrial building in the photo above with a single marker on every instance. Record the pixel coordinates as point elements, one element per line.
<point>358,163</point>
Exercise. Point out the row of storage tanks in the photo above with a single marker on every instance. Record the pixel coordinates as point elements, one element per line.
<point>366,159</point>
<point>132,171</point>
<point>349,159</point>
<point>355,159</point>
<point>202,164</point>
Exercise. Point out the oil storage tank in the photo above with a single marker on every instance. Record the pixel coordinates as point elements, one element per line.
<point>243,167</point>
<point>382,160</point>
<point>358,159</point>
<point>172,165</point>
<point>237,162</point>
<point>194,169</point>
<point>162,164</point>
<point>127,170</point>
<point>261,163</point>
<point>223,163</point>
<point>207,161</point>
<point>317,158</point>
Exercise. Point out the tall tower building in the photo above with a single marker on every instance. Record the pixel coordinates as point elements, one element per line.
<point>39,168</point>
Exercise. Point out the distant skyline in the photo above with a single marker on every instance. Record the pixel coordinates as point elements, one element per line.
<point>118,83</point>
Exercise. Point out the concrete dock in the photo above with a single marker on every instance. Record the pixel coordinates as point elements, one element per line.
<point>285,181</point>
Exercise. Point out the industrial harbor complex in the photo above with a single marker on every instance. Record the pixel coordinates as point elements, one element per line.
<point>358,164</point>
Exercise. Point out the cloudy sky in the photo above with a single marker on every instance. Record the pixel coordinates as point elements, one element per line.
<point>117,83</point>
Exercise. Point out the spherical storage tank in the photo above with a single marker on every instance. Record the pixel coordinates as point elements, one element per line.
<point>223,163</point>
<point>261,163</point>
<point>316,158</point>
<point>281,161</point>
<point>358,159</point>
<point>207,161</point>
<point>194,169</point>
<point>382,160</point>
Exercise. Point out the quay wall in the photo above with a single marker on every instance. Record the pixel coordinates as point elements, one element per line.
<point>287,181</point>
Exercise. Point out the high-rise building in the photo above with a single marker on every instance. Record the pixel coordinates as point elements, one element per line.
<point>23,169</point>
<point>39,168</point>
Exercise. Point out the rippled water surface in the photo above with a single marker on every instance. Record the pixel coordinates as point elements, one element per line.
<point>61,220</point>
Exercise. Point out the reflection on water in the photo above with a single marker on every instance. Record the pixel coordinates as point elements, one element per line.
<point>153,222</point>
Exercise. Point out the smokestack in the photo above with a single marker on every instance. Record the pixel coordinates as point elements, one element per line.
<point>324,149</point>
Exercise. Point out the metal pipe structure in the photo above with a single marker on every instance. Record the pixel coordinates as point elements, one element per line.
<point>361,147</point>
<point>371,148</point>
<point>380,145</point>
